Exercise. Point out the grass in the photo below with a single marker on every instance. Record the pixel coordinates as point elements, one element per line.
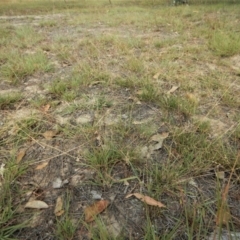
<point>65,228</point>
<point>225,44</point>
<point>104,73</point>
<point>7,101</point>
<point>19,67</point>
<point>8,203</point>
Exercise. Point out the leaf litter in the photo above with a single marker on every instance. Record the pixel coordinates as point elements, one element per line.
<point>146,199</point>
<point>92,211</point>
<point>48,135</point>
<point>37,204</point>
<point>21,153</point>
<point>42,165</point>
<point>58,211</point>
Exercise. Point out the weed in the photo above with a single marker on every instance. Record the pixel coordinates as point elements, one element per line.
<point>102,102</point>
<point>28,128</point>
<point>149,92</point>
<point>9,223</point>
<point>130,83</point>
<point>7,101</point>
<point>65,228</point>
<point>59,87</point>
<point>39,101</point>
<point>5,35</point>
<point>103,158</point>
<point>101,232</point>
<point>49,23</point>
<point>25,37</point>
<point>225,44</point>
<point>18,67</point>
<point>230,100</point>
<point>135,65</point>
<point>179,104</point>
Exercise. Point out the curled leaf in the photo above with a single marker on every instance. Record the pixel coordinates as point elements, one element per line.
<point>147,200</point>
<point>158,138</point>
<point>92,211</point>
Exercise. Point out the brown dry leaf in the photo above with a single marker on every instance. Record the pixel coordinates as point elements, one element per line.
<point>21,153</point>
<point>36,204</point>
<point>192,98</point>
<point>58,211</point>
<point>93,210</point>
<point>147,200</point>
<point>46,108</point>
<point>157,75</point>
<point>172,90</point>
<point>41,166</point>
<point>49,134</point>
<point>159,138</point>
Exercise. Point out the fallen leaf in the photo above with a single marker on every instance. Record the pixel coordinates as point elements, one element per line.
<point>36,204</point>
<point>41,166</point>
<point>21,153</point>
<point>57,183</point>
<point>92,211</point>
<point>220,175</point>
<point>49,134</point>
<point>46,108</point>
<point>139,92</point>
<point>134,99</point>
<point>172,90</point>
<point>157,75</point>
<point>146,199</point>
<point>126,183</point>
<point>193,183</point>
<point>98,140</point>
<point>155,147</point>
<point>192,98</point>
<point>2,169</point>
<point>159,138</point>
<point>58,211</point>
